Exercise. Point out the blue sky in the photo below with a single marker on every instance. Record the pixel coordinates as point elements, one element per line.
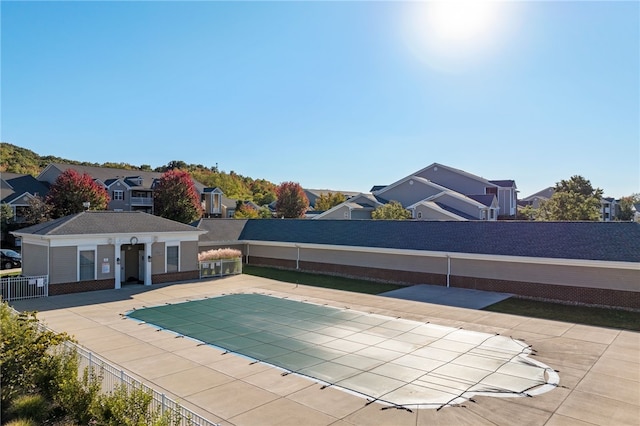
<point>339,95</point>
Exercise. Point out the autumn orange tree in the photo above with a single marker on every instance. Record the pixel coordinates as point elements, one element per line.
<point>291,202</point>
<point>175,197</point>
<point>71,190</point>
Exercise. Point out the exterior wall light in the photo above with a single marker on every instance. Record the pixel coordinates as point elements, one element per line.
<point>149,258</point>
<point>118,261</point>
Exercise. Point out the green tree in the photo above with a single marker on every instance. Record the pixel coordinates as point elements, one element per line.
<point>265,213</point>
<point>392,210</point>
<point>264,192</point>
<point>175,197</point>
<point>245,211</point>
<point>574,199</point>
<point>291,201</point>
<point>626,207</point>
<point>6,213</point>
<point>326,201</point>
<point>71,190</point>
<point>527,212</point>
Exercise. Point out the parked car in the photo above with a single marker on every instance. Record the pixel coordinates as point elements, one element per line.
<point>10,259</point>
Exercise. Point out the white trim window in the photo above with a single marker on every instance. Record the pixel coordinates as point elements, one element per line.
<point>173,258</point>
<point>117,195</point>
<point>86,265</point>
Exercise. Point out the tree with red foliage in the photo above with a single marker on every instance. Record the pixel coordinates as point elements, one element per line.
<point>71,190</point>
<point>291,201</point>
<point>175,197</point>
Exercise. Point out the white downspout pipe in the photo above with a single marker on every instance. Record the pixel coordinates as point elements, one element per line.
<point>448,270</point>
<point>148,259</point>
<point>116,272</point>
<point>298,258</point>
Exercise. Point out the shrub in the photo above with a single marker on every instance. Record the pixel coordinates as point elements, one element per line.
<point>26,355</point>
<point>32,407</point>
<point>215,254</point>
<point>125,407</point>
<point>75,396</point>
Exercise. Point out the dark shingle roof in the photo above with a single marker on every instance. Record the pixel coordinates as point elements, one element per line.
<point>220,230</point>
<point>564,240</point>
<point>106,222</point>
<point>485,199</point>
<point>506,183</point>
<point>17,184</point>
<point>456,212</point>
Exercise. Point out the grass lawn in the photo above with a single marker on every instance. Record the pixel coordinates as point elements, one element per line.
<point>317,280</point>
<point>613,318</point>
<point>602,317</point>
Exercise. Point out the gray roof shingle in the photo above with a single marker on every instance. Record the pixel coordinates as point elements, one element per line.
<point>606,241</point>
<point>107,222</point>
<point>220,230</point>
<point>15,185</point>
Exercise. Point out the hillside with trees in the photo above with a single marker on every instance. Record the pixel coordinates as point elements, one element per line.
<point>15,159</point>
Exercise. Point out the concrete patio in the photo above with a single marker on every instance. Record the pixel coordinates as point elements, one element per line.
<point>599,368</point>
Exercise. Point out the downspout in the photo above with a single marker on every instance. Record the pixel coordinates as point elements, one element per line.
<point>116,268</point>
<point>448,270</point>
<point>48,270</point>
<point>298,258</point>
<point>247,258</point>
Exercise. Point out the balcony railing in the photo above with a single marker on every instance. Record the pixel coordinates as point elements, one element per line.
<point>142,201</point>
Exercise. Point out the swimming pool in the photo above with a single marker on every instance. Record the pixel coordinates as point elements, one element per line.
<point>393,361</point>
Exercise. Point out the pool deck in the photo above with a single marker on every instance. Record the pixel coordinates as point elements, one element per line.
<point>599,368</point>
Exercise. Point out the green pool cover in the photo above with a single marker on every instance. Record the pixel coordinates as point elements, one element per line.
<point>394,361</point>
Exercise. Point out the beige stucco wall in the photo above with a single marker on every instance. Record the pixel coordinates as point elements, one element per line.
<point>63,264</point>
<point>375,260</point>
<point>189,256</point>
<point>592,276</point>
<point>581,276</point>
<point>158,258</point>
<point>105,252</point>
<point>34,260</point>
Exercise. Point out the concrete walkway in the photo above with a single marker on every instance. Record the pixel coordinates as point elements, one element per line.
<point>599,368</point>
<point>450,296</point>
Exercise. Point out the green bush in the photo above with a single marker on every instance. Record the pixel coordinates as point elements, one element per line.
<point>125,407</point>
<point>77,396</point>
<point>26,354</point>
<point>34,407</point>
<point>41,384</point>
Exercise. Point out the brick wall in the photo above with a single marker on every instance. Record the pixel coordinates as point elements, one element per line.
<point>175,276</point>
<point>80,286</point>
